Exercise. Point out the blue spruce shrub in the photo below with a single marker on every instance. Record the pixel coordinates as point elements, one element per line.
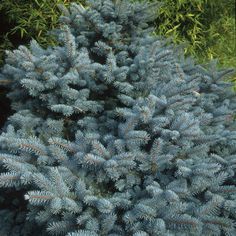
<point>116,133</point>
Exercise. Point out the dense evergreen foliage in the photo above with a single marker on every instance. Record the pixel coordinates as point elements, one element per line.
<point>116,133</point>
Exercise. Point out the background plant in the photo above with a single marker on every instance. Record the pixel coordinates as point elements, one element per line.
<point>204,25</point>
<point>24,20</point>
<point>207,28</point>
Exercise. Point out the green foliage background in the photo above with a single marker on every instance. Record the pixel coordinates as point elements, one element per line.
<point>206,27</point>
<point>24,20</point>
